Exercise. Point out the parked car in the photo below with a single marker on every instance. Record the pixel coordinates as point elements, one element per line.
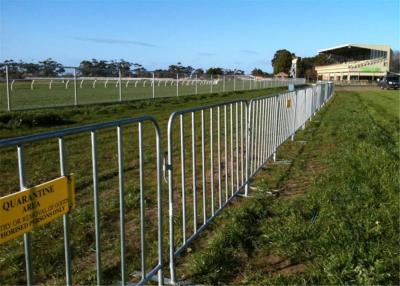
<point>389,82</point>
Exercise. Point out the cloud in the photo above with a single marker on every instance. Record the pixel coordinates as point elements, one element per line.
<point>114,41</point>
<point>249,52</point>
<point>205,54</point>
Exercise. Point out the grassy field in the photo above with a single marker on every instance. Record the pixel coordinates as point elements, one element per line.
<point>331,217</point>
<point>42,165</point>
<point>62,93</point>
<point>333,220</point>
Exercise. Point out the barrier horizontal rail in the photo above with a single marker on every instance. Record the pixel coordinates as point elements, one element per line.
<point>212,154</point>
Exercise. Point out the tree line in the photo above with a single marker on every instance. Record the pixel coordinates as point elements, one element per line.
<point>281,62</point>
<point>103,68</point>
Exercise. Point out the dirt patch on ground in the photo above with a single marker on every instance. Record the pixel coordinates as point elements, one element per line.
<point>276,265</point>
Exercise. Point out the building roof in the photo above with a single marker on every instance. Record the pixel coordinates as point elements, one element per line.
<point>282,74</point>
<point>360,46</point>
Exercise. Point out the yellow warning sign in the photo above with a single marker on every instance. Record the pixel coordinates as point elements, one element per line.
<point>23,211</point>
<point>289,103</point>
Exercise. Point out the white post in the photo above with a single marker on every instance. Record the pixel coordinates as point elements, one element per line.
<point>223,85</point>
<point>75,88</point>
<point>196,84</point>
<point>177,84</point>
<point>153,86</point>
<point>8,91</point>
<point>120,85</point>
<point>211,84</point>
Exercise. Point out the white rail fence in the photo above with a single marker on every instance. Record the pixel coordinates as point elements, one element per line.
<point>40,92</point>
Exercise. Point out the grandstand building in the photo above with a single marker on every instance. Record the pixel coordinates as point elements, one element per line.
<point>355,62</point>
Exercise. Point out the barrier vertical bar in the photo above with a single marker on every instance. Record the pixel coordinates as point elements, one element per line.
<point>171,233</point>
<point>159,206</point>
<point>241,144</point>
<point>183,168</point>
<point>121,203</point>
<point>226,153</point>
<point>211,162</point>
<point>96,208</point>
<point>141,186</point>
<point>203,166</point>
<point>67,247</point>
<point>237,144</point>
<point>219,157</point>
<point>27,236</point>
<point>295,115</point>
<point>276,129</point>
<point>231,145</point>
<point>194,173</point>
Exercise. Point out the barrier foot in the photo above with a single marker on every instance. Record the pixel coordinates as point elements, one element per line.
<point>153,278</point>
<point>283,162</point>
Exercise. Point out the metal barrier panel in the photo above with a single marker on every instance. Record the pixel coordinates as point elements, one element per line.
<point>122,155</point>
<point>206,168</point>
<point>263,130</point>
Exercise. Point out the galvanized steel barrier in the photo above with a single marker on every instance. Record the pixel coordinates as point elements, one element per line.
<point>147,271</point>
<point>225,159</point>
<point>236,139</point>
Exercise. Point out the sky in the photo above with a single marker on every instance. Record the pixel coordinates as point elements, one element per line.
<point>225,33</point>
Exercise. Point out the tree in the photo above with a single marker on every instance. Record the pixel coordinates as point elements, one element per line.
<point>306,66</point>
<point>86,68</point>
<point>139,70</point>
<point>257,72</point>
<point>282,61</point>
<point>215,71</point>
<point>199,72</point>
<point>50,67</point>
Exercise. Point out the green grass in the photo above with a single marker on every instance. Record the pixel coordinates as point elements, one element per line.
<point>61,94</point>
<point>321,229</point>
<point>42,165</point>
<point>336,218</point>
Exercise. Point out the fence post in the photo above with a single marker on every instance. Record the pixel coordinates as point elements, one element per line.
<point>153,86</point>
<point>120,85</point>
<point>75,89</point>
<point>177,84</point>
<point>196,84</point>
<point>8,91</point>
